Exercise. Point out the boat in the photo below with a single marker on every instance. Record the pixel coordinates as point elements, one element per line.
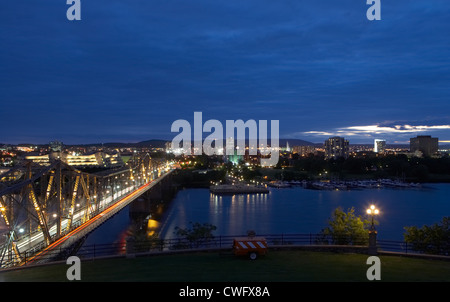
<point>415,185</point>
<point>279,184</point>
<point>295,183</point>
<point>322,185</point>
<point>341,187</point>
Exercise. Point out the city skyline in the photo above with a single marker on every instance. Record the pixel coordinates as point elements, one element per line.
<point>378,145</point>
<point>126,71</point>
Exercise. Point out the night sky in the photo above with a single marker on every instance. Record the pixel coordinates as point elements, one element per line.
<point>129,69</point>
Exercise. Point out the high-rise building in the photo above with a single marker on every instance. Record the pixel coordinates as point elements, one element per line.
<point>336,147</point>
<point>379,146</point>
<point>424,143</point>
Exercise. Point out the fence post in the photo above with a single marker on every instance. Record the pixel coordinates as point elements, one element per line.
<point>130,249</point>
<point>372,248</point>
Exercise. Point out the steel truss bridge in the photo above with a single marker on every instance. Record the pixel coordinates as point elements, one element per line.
<point>43,208</point>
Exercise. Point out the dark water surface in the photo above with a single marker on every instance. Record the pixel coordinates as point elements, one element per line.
<point>291,210</point>
<point>299,210</point>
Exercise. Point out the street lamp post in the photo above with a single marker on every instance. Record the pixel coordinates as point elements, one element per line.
<point>372,211</point>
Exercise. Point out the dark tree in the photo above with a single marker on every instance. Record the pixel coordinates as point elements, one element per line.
<point>196,236</point>
<point>434,239</point>
<point>346,228</point>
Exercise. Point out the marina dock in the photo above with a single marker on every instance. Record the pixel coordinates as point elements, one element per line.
<point>238,189</point>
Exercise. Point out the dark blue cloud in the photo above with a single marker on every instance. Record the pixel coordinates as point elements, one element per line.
<point>127,70</point>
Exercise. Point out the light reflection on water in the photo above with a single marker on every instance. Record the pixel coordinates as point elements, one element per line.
<point>288,210</point>
<point>298,210</point>
<point>237,214</point>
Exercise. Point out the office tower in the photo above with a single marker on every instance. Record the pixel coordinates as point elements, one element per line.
<point>336,147</point>
<point>424,143</point>
<point>379,146</point>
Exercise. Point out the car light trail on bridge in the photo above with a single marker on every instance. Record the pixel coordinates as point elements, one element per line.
<point>112,209</point>
<point>54,205</point>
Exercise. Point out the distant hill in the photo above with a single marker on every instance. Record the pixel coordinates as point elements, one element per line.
<point>155,143</point>
<point>296,142</point>
<point>152,143</point>
<point>160,143</point>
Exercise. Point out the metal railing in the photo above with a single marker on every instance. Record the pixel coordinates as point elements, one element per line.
<point>131,247</point>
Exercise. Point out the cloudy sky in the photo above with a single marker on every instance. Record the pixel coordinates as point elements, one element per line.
<point>129,69</point>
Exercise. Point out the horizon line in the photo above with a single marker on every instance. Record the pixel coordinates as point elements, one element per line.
<point>167,140</point>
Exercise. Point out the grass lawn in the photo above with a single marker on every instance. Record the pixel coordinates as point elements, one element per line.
<point>277,266</point>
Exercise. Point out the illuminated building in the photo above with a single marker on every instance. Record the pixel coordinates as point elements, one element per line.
<point>98,159</point>
<point>379,146</point>
<point>303,150</point>
<point>336,147</point>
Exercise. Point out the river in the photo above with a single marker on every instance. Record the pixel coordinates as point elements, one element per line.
<point>291,210</point>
